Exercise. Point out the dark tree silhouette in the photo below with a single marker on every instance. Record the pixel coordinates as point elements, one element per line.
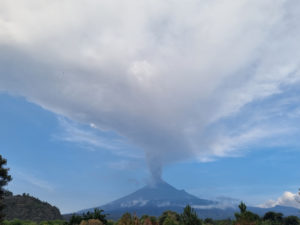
<point>168,214</point>
<point>126,219</point>
<point>243,207</point>
<point>75,219</point>
<point>97,214</point>
<point>291,220</point>
<point>189,216</point>
<point>209,221</point>
<point>4,179</point>
<point>245,216</point>
<point>273,217</point>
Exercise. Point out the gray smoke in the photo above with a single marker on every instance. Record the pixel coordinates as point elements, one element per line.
<point>169,76</point>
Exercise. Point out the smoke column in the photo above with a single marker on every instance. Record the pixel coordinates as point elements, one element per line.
<point>179,80</point>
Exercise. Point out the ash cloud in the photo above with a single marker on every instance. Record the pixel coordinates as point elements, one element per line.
<point>179,80</point>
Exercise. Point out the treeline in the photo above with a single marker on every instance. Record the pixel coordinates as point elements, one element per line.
<point>26,207</point>
<point>27,222</point>
<point>187,217</point>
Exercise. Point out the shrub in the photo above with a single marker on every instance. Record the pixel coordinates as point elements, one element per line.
<point>19,222</point>
<point>291,220</point>
<point>91,222</point>
<point>189,217</point>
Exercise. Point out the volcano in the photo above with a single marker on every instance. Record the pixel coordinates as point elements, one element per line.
<point>155,199</point>
<point>158,195</point>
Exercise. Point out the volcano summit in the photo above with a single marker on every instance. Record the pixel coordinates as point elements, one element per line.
<point>161,196</point>
<point>154,199</point>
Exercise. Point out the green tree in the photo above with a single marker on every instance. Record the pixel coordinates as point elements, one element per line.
<point>242,207</point>
<point>275,218</point>
<point>97,215</point>
<point>144,218</point>
<point>170,221</point>
<point>148,220</point>
<point>20,222</point>
<point>189,217</point>
<point>209,221</point>
<point>110,222</point>
<point>246,217</point>
<point>4,179</point>
<point>75,219</point>
<point>126,219</point>
<point>91,222</point>
<point>291,220</point>
<point>169,214</point>
<point>224,222</point>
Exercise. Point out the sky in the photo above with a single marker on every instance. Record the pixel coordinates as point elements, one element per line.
<point>98,95</point>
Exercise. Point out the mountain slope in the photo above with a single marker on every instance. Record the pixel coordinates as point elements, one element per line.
<point>26,207</point>
<point>159,195</point>
<point>155,199</point>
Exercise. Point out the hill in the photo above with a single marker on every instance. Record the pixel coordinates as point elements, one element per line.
<point>26,207</point>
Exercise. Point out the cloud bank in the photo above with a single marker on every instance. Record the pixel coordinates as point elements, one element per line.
<point>287,199</point>
<point>179,80</point>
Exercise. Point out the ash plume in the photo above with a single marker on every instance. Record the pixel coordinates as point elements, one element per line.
<point>196,80</point>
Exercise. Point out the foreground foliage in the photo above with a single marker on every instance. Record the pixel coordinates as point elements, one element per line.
<point>4,179</point>
<point>26,207</point>
<point>190,217</point>
<point>89,218</point>
<point>187,217</point>
<point>26,222</point>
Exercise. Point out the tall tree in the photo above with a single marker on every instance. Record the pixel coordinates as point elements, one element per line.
<point>246,217</point>
<point>189,216</point>
<point>126,219</point>
<point>4,179</point>
<point>274,217</point>
<point>168,214</point>
<point>97,214</point>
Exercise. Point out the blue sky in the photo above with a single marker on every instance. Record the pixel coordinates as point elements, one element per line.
<point>67,174</point>
<point>75,175</point>
<point>99,98</point>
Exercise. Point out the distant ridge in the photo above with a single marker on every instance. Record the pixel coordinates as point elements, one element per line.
<point>156,198</point>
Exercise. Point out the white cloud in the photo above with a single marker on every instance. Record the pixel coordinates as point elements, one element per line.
<point>35,181</point>
<point>73,133</point>
<point>220,203</point>
<point>287,199</point>
<point>163,74</point>
<point>86,138</point>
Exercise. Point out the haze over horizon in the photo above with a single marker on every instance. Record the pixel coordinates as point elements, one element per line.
<point>98,95</point>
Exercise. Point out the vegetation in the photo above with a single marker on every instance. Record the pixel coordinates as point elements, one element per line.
<point>273,218</point>
<point>4,179</point>
<point>91,222</point>
<point>246,217</point>
<point>27,222</point>
<point>187,217</point>
<point>26,207</point>
<point>97,217</point>
<point>169,218</point>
